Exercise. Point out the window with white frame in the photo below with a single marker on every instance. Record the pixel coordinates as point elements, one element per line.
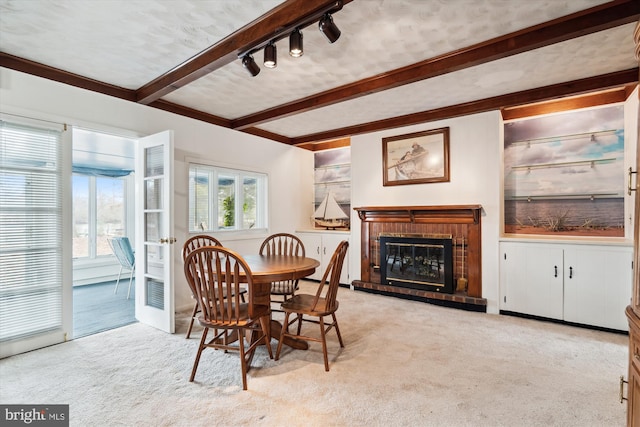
<point>102,191</point>
<point>99,213</point>
<point>31,229</point>
<point>223,199</point>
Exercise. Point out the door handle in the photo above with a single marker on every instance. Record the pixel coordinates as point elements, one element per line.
<point>170,240</point>
<point>629,189</point>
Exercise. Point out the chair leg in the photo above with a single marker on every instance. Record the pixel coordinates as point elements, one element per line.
<point>243,361</point>
<point>335,325</point>
<point>285,329</point>
<point>193,315</point>
<point>299,324</point>
<point>200,348</point>
<point>115,291</point>
<point>324,344</point>
<point>130,280</point>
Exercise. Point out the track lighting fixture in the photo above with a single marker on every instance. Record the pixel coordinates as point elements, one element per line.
<point>292,30</point>
<point>250,65</point>
<point>270,55</point>
<point>328,28</point>
<point>295,44</point>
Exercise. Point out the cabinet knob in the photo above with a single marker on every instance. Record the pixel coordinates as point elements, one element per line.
<point>555,274</point>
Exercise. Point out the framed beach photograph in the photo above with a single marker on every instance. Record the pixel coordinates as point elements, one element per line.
<point>416,158</point>
<point>564,174</point>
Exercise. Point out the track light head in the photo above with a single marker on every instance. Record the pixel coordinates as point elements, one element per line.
<point>328,28</point>
<point>270,56</point>
<point>250,65</point>
<point>295,44</point>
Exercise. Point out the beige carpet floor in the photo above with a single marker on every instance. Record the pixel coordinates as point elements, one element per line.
<point>405,363</point>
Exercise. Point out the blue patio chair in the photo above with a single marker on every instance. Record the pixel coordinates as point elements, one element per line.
<point>121,248</point>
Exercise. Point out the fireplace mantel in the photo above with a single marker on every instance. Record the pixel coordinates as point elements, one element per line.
<point>462,222</point>
<point>455,214</point>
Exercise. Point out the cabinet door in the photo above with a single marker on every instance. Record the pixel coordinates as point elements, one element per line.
<point>329,244</point>
<point>531,278</point>
<point>597,285</point>
<point>313,248</point>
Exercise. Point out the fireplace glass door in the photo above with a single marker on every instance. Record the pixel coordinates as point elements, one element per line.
<point>417,263</point>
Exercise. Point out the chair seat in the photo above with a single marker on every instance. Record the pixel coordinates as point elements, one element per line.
<point>241,321</point>
<point>303,303</point>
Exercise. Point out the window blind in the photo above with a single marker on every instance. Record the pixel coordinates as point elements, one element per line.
<point>30,230</point>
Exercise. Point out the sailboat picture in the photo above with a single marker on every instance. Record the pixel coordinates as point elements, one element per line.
<point>332,189</point>
<point>329,214</point>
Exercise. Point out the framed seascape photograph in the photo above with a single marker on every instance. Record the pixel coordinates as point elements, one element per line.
<point>416,158</point>
<point>564,174</point>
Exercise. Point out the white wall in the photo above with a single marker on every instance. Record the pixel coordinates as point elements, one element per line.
<point>291,194</point>
<point>475,164</point>
<point>474,171</point>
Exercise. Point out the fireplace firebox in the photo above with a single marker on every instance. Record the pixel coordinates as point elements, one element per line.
<point>417,262</point>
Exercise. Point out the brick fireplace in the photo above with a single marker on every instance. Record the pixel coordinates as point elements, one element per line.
<point>459,223</point>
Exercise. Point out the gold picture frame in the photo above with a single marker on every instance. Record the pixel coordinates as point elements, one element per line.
<point>416,158</point>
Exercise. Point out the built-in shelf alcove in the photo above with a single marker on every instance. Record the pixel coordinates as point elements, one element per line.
<point>461,222</point>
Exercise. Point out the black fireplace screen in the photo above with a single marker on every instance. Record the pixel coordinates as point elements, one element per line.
<point>417,263</point>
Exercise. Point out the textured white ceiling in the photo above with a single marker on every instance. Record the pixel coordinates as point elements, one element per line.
<point>128,43</point>
<point>377,36</point>
<point>571,60</point>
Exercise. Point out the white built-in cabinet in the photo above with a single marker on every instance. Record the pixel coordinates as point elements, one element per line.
<point>321,245</point>
<point>580,283</point>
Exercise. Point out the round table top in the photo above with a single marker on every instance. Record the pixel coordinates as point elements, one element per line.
<point>273,268</point>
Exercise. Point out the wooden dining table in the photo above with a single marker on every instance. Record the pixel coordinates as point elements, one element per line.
<point>266,269</point>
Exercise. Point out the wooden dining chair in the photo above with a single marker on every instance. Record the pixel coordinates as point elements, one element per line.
<point>317,307</point>
<point>283,244</point>
<point>215,275</point>
<point>189,246</point>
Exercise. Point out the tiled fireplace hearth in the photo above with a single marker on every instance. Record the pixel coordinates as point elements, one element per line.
<point>459,224</point>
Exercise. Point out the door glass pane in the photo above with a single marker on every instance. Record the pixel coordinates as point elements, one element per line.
<point>110,212</point>
<point>154,225</point>
<point>154,161</point>
<point>155,294</point>
<point>154,261</point>
<point>153,193</point>
<point>80,216</point>
<point>226,201</point>
<point>250,194</point>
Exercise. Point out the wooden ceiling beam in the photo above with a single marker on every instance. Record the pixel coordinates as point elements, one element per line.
<point>189,112</point>
<point>269,135</point>
<point>585,22</point>
<point>325,145</point>
<point>40,70</point>
<point>572,103</point>
<point>227,50</point>
<point>546,93</point>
